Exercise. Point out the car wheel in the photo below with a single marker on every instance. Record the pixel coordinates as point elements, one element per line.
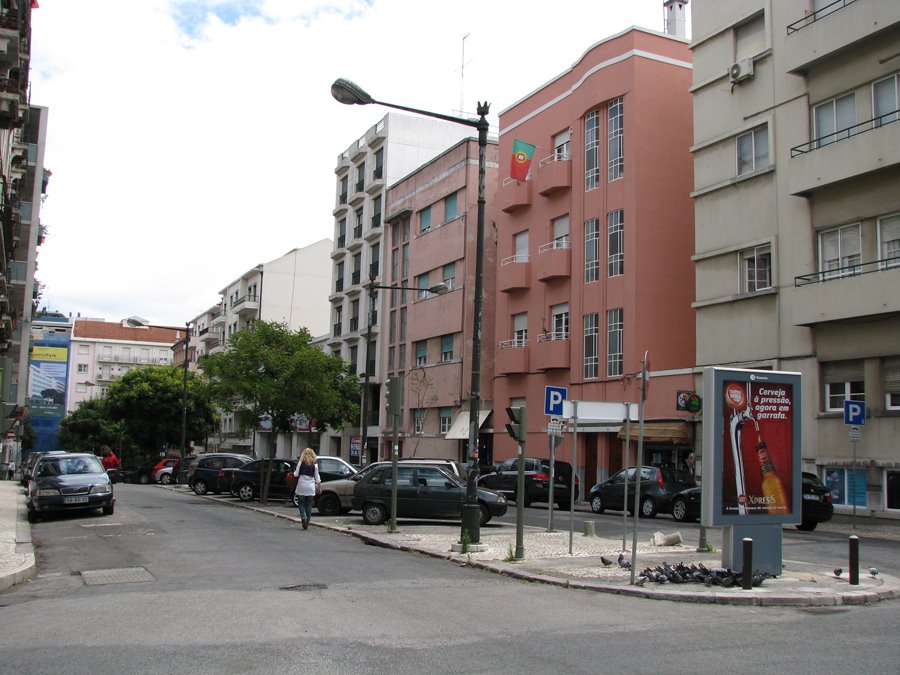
<point>485,514</point>
<point>648,508</point>
<point>143,479</point>
<point>165,479</point>
<point>109,510</point>
<point>807,525</point>
<point>245,492</point>
<point>329,505</point>
<point>374,514</point>
<point>32,516</point>
<point>597,504</point>
<point>200,487</point>
<point>679,510</point>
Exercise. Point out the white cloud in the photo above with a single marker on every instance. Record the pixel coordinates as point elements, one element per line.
<point>183,155</point>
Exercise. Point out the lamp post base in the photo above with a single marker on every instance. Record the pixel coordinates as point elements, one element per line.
<point>471,523</point>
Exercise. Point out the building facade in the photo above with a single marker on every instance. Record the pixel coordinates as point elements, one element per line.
<point>594,251</point>
<point>797,197</point>
<point>388,151</point>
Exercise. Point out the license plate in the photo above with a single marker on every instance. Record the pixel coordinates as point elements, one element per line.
<point>75,500</point>
<point>812,498</point>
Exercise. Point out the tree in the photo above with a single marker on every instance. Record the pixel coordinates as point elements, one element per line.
<point>28,437</point>
<point>88,427</point>
<point>149,401</point>
<point>269,371</point>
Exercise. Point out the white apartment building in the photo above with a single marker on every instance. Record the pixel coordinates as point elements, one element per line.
<point>797,204</point>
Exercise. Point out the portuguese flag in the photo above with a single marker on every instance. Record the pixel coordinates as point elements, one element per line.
<point>521,159</point>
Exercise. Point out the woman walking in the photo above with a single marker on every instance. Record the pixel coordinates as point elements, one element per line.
<point>307,475</point>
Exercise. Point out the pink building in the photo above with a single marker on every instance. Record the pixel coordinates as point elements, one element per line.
<point>431,218</point>
<point>594,251</point>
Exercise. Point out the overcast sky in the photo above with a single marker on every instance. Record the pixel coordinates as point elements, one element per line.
<point>191,140</point>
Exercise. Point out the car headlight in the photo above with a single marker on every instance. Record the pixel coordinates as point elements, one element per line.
<point>46,492</point>
<point>501,499</point>
<point>101,489</point>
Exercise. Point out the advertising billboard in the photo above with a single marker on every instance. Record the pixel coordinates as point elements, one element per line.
<point>47,390</point>
<point>751,447</point>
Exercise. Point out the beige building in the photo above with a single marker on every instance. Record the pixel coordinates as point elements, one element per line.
<point>797,206</point>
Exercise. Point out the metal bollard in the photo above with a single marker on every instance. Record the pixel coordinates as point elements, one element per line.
<point>854,560</point>
<point>747,576</point>
<point>588,528</point>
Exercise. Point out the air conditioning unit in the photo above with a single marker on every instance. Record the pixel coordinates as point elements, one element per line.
<point>741,71</point>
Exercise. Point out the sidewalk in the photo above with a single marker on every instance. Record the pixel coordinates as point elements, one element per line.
<point>546,557</point>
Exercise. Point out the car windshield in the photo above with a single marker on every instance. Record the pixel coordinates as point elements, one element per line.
<point>63,466</point>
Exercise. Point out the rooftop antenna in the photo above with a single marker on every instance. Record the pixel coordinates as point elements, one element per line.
<point>462,75</point>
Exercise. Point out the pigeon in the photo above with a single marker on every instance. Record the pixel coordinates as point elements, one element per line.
<point>640,581</point>
<point>606,561</point>
<point>873,571</point>
<point>624,562</point>
<point>838,572</point>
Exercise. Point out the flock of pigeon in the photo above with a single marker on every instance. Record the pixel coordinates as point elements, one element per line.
<point>873,572</point>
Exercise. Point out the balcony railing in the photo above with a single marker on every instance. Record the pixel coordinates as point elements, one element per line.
<point>354,324</point>
<point>847,271</point>
<point>339,285</point>
<point>844,134</point>
<point>810,19</point>
<point>357,232</point>
<point>336,329</point>
<point>552,336</point>
<point>515,343</point>
<point>342,241</point>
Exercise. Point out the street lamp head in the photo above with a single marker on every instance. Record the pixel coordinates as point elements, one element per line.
<point>439,289</point>
<point>350,93</point>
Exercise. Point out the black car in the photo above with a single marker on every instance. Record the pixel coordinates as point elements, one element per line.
<point>245,479</point>
<point>69,482</point>
<point>505,479</point>
<point>659,484</point>
<point>31,460</point>
<point>816,505</point>
<point>208,473</point>
<point>182,468</point>
<point>422,492</point>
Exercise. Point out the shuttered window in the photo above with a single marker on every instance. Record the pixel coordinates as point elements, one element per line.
<point>890,369</point>
<point>844,381</point>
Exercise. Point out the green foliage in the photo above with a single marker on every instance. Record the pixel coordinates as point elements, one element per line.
<point>149,402</point>
<point>88,427</point>
<point>271,370</point>
<point>28,435</point>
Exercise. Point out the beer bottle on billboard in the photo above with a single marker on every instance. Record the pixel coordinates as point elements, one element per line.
<point>772,487</point>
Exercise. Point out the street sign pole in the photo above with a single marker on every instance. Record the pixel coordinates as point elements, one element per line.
<point>854,417</point>
<point>552,480</point>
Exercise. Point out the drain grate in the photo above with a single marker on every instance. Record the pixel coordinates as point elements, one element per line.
<point>121,575</point>
<point>304,587</point>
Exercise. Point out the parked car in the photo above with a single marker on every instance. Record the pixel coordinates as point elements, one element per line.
<point>162,472</point>
<point>816,504</point>
<point>505,479</point>
<point>148,471</point>
<point>31,461</point>
<point>182,468</point>
<point>422,492</point>
<point>333,468</point>
<point>245,479</point>
<point>337,495</point>
<point>69,482</point>
<point>658,486</point>
<point>207,474</point>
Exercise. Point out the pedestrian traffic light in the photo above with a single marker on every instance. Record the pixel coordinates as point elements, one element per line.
<point>394,395</point>
<point>518,422</point>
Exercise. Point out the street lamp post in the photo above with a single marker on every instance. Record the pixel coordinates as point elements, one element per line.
<point>187,339</point>
<point>349,93</point>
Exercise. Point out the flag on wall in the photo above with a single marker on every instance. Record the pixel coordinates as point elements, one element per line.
<point>521,159</point>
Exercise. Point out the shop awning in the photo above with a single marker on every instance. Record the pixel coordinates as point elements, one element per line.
<point>459,430</point>
<point>674,432</point>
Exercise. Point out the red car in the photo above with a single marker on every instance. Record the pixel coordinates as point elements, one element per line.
<point>162,470</point>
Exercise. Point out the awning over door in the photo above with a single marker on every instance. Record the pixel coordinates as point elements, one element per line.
<point>674,432</point>
<point>459,430</point>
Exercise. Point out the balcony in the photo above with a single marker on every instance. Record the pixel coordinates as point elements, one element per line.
<point>342,205</point>
<point>217,348</point>
<point>210,337</point>
<point>864,148</point>
<point>853,292</point>
<point>376,185</point>
<point>246,305</point>
<point>554,260</point>
<point>836,27</point>
<point>217,318</point>
<point>554,174</point>
<point>514,273</point>
<point>512,357</point>
<point>336,329</point>
<point>514,195</point>
<point>552,351</point>
<point>375,231</point>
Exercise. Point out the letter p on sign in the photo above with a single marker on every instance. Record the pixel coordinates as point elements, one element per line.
<point>854,413</point>
<point>553,400</point>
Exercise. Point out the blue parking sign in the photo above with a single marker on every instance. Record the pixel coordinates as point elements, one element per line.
<point>553,400</point>
<point>854,413</point>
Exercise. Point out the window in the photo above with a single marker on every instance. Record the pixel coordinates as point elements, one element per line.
<point>890,373</point>
<point>425,219</point>
<point>84,349</point>
<point>560,321</point>
<point>889,240</point>
<point>844,381</point>
<point>446,421</point>
<point>422,284</point>
<point>396,230</point>
<point>360,176</point>
<point>561,229</point>
<point>615,237</point>
<point>834,118</point>
<point>82,368</point>
<point>342,233</point>
<point>404,268</point>
<point>885,99</point>
<point>374,259</point>
<point>392,327</point>
<point>561,144</point>
<point>446,348</point>
<point>756,266</point>
<point>338,319</point>
<point>839,251</point>
<point>357,269</point>
<point>614,329</point>
<point>750,38</point>
<point>354,355</point>
<point>358,228</point>
<point>615,141</point>
<point>848,487</point>
<point>591,250</point>
<point>401,357</point>
<point>892,491</point>
<point>752,150</point>
<point>345,182</point>
<point>450,207</point>
<point>449,275</point>
<point>378,172</point>
<point>402,324</point>
<point>395,265</point>
<point>354,315</point>
<point>520,329</point>
<point>392,359</point>
<point>591,345</point>
<point>376,212</point>
<point>419,420</point>
<point>521,244</point>
<point>421,352</point>
<point>592,151</point>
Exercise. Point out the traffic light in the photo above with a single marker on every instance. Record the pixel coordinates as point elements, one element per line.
<point>518,423</point>
<point>394,395</point>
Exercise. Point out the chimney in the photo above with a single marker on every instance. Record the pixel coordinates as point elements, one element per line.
<point>675,17</point>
